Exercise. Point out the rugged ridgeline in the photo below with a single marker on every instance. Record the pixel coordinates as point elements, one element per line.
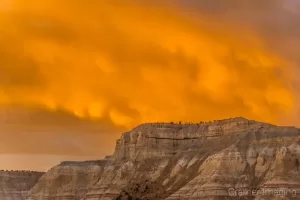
<point>217,160</point>
<point>15,185</point>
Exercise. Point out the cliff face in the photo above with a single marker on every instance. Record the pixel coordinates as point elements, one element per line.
<point>228,159</point>
<point>15,185</point>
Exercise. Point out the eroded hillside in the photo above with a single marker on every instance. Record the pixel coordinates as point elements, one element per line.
<point>15,185</point>
<point>217,160</point>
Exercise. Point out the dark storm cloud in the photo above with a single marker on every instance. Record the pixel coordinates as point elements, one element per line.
<point>277,21</point>
<point>26,75</point>
<point>46,28</point>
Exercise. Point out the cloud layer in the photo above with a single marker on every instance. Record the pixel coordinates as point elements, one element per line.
<point>135,61</point>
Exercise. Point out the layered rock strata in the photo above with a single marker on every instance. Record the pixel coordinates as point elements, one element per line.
<point>15,185</point>
<point>227,159</point>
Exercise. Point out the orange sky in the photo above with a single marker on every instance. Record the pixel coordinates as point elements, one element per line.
<point>116,64</point>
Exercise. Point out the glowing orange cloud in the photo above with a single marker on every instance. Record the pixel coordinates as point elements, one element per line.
<point>133,63</point>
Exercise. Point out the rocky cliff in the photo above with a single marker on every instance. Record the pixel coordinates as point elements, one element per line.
<point>15,185</point>
<point>227,159</point>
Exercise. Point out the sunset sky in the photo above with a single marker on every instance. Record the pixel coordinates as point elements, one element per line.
<point>75,74</point>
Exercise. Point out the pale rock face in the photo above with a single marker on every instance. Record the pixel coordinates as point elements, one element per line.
<point>68,180</point>
<point>207,161</point>
<point>251,156</point>
<point>15,185</point>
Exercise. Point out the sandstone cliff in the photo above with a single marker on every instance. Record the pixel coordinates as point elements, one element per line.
<point>15,185</point>
<point>228,159</point>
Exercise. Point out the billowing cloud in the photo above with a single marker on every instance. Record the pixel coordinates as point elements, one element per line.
<point>130,62</point>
